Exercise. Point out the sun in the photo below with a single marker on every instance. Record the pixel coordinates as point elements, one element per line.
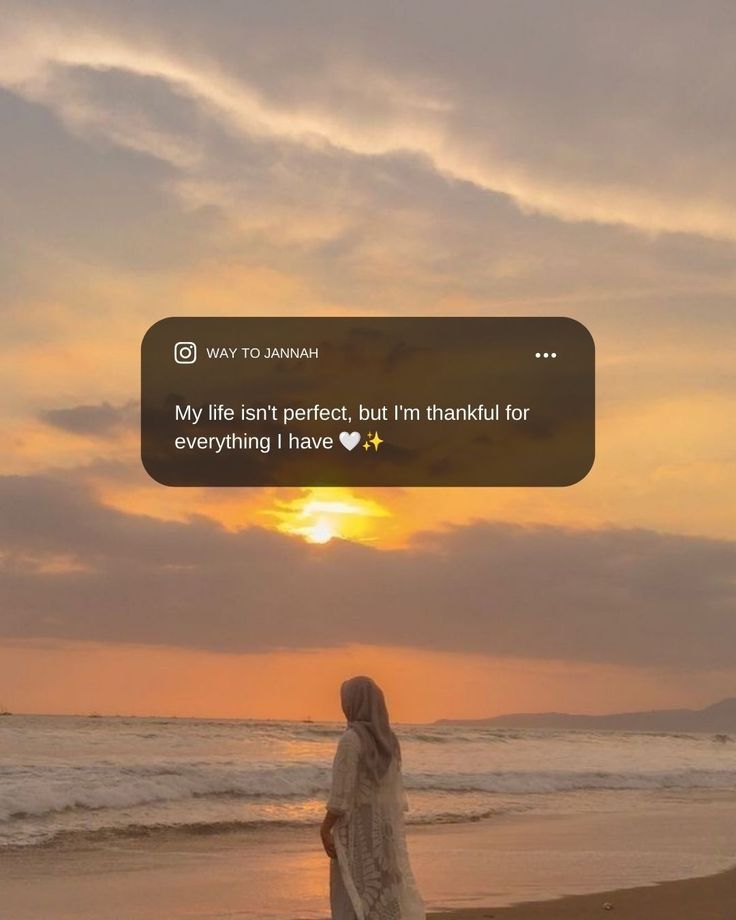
<point>322,531</point>
<point>324,514</point>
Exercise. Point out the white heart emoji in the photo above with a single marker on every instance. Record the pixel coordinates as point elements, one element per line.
<point>349,439</point>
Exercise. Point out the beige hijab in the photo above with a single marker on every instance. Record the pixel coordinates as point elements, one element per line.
<point>365,709</point>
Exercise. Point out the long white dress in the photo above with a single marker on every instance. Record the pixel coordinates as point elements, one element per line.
<point>371,879</point>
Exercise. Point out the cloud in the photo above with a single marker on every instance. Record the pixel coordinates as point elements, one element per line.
<point>91,200</point>
<point>102,420</point>
<point>514,156</point>
<point>632,597</point>
<point>609,115</point>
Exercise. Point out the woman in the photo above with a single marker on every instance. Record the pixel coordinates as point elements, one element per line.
<point>363,830</point>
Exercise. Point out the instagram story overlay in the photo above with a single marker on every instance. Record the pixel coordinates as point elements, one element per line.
<point>423,401</point>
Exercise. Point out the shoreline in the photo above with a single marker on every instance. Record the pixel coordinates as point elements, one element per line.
<point>203,877</point>
<point>710,897</point>
<point>519,867</point>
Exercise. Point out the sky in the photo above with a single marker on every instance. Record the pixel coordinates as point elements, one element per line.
<point>236,158</point>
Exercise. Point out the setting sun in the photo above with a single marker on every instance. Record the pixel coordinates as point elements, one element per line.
<point>319,515</point>
<point>322,532</point>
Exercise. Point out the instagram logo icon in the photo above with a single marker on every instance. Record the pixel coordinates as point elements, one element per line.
<point>185,352</point>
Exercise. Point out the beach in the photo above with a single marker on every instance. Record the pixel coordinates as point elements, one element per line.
<point>517,867</point>
<point>710,898</point>
<point>186,819</point>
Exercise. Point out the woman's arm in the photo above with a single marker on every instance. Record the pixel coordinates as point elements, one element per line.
<point>326,833</point>
<point>342,790</point>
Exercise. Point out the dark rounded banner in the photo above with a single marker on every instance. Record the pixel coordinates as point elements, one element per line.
<point>400,401</point>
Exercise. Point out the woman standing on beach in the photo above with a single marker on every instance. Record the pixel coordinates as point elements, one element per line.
<point>363,830</point>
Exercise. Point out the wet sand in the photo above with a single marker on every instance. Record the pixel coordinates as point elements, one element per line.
<point>520,867</point>
<point>711,898</point>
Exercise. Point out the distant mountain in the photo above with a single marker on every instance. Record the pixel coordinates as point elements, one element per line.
<point>718,718</point>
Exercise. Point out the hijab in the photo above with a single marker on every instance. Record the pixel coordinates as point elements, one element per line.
<point>365,709</point>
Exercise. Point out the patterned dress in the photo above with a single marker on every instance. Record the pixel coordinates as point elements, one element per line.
<point>371,879</point>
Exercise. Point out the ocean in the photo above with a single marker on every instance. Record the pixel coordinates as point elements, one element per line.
<point>66,779</point>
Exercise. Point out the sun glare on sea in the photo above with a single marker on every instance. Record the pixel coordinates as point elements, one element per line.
<point>321,515</point>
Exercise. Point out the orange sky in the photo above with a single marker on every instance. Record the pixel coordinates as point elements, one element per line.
<point>420,686</point>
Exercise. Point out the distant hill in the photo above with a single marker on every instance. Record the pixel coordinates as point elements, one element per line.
<point>718,718</point>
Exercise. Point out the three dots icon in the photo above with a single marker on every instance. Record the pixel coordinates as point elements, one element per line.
<point>546,354</point>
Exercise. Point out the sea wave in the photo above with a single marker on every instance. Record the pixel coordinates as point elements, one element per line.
<point>26,793</point>
<point>59,837</point>
<point>540,782</point>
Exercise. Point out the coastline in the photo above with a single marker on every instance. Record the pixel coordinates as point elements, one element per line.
<point>709,897</point>
<point>518,867</point>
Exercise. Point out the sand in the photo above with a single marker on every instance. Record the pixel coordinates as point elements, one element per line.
<point>711,898</point>
<point>533,862</point>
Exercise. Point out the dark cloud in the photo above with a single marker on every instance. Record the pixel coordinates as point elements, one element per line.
<point>624,596</point>
<point>91,198</point>
<point>625,98</point>
<point>100,420</point>
<point>124,161</point>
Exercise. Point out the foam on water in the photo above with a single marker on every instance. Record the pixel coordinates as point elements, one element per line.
<point>64,776</point>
